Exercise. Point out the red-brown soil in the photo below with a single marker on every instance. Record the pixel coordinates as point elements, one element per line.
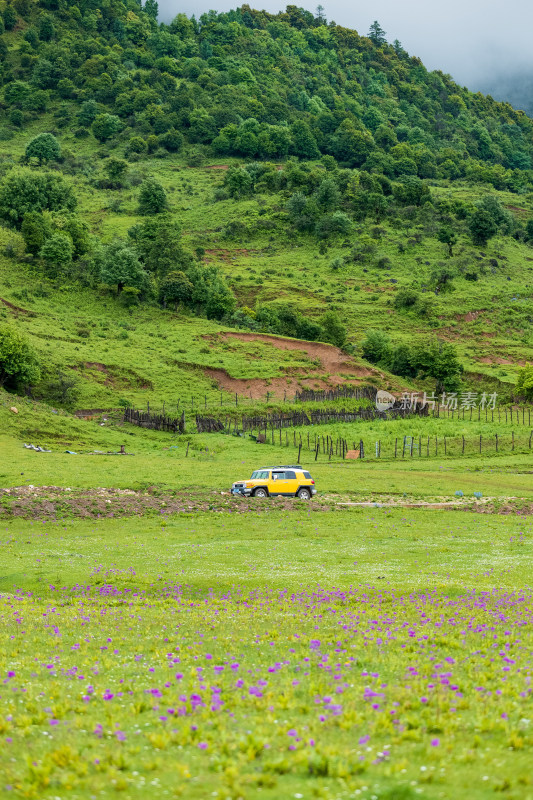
<point>17,308</point>
<point>336,368</point>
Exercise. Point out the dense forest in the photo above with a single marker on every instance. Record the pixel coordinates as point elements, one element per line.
<point>254,85</point>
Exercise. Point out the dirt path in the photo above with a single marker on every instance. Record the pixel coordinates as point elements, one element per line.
<point>17,309</point>
<point>55,502</point>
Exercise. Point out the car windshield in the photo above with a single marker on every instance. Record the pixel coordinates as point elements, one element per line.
<point>260,474</point>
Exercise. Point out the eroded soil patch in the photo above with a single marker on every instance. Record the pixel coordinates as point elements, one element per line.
<point>335,368</point>
<point>54,502</point>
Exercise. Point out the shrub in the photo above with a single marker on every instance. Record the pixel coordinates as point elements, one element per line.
<point>335,331</point>
<point>105,126</point>
<point>44,148</point>
<point>35,230</point>
<point>376,346</point>
<point>152,198</point>
<point>18,361</point>
<point>57,252</point>
<point>524,383</point>
<point>23,191</point>
<point>405,298</point>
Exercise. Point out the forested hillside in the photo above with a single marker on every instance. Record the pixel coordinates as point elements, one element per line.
<point>274,173</point>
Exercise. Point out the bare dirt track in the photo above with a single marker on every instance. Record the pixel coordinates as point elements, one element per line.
<point>334,368</point>
<point>56,503</point>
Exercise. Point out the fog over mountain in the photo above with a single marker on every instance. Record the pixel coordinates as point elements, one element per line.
<point>484,44</point>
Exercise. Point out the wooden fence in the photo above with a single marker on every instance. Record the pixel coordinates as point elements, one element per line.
<point>158,422</point>
<point>208,425</point>
<point>299,419</point>
<point>339,393</point>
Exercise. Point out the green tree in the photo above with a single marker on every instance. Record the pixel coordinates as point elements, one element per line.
<point>351,145</point>
<point>303,142</point>
<point>447,236</point>
<point>57,252</point>
<point>115,169</point>
<point>482,227</point>
<point>172,140</point>
<point>151,8</point>
<point>376,346</point>
<point>35,230</point>
<point>76,228</point>
<point>438,360</point>
<point>376,34</point>
<point>335,331</point>
<point>524,382</point>
<point>327,195</point>
<point>120,267</point>
<point>10,17</point>
<point>62,389</point>
<point>88,112</point>
<point>44,147</point>
<point>152,198</point>
<point>19,365</point>
<point>46,28</point>
<point>158,243</point>
<point>16,93</point>
<point>175,288</point>
<point>336,224</point>
<point>401,361</point>
<point>105,126</point>
<point>22,191</point>
<point>238,182</point>
<point>410,191</point>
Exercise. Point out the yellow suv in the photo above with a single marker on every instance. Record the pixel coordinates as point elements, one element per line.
<point>288,481</point>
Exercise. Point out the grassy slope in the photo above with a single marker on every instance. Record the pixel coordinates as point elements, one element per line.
<point>484,319</point>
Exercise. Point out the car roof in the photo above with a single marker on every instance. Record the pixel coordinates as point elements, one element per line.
<point>281,466</point>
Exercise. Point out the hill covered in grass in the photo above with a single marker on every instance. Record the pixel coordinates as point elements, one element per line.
<point>164,185</point>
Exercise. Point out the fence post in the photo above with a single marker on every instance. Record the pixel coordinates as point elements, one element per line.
<point>496,436</point>
<point>299,451</point>
<point>512,439</point>
<point>480,443</point>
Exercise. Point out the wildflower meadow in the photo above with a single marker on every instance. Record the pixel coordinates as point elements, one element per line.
<point>284,655</point>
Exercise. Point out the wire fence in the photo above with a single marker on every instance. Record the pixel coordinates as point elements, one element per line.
<point>405,447</point>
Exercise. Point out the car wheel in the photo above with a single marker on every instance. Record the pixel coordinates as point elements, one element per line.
<point>303,494</point>
<point>260,493</point>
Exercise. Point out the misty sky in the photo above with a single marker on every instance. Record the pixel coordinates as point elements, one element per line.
<point>475,41</point>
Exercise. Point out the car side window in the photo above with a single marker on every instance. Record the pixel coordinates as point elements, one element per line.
<point>289,475</point>
<point>278,476</point>
<point>264,475</point>
<point>307,475</point>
